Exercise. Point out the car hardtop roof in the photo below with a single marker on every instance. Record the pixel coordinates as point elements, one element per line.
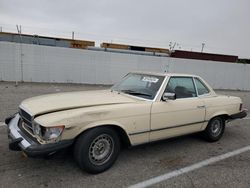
<point>164,74</point>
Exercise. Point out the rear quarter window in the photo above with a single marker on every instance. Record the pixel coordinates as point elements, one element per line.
<point>201,87</point>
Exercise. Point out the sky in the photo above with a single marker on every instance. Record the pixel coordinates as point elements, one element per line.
<point>223,25</point>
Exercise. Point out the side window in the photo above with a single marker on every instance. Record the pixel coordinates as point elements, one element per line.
<point>183,87</point>
<point>201,87</point>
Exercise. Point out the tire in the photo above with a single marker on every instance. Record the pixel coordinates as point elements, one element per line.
<point>97,149</point>
<point>214,129</point>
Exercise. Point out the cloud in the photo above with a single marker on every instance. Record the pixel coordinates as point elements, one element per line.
<point>223,25</point>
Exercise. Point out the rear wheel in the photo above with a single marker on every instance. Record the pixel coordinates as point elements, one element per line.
<point>96,150</point>
<point>215,129</point>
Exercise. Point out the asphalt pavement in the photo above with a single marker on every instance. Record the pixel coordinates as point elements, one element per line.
<point>134,165</point>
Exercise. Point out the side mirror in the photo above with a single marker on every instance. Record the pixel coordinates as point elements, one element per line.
<point>168,96</point>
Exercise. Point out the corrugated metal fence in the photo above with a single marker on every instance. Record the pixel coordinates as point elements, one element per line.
<point>36,63</point>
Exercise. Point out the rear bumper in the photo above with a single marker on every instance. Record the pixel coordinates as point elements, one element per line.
<point>18,140</point>
<point>239,115</point>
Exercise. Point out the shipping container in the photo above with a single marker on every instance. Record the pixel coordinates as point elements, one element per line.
<point>203,56</point>
<point>135,48</point>
<point>43,40</point>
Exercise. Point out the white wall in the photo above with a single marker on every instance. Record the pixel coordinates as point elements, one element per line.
<point>65,65</point>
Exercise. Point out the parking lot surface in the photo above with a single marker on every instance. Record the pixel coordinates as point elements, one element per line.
<point>134,165</point>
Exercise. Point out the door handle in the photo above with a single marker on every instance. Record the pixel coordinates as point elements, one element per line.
<point>201,106</point>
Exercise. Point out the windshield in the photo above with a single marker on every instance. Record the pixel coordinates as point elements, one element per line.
<point>140,85</point>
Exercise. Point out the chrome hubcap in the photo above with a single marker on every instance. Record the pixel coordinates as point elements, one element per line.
<point>216,127</point>
<point>101,149</point>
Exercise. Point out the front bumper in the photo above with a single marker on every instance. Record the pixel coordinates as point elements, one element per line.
<point>239,115</point>
<point>19,140</point>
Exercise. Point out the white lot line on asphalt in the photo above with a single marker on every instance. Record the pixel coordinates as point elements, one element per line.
<point>187,169</point>
<point>229,124</point>
<point>190,168</point>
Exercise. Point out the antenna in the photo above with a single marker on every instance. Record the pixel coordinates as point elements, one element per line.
<point>173,46</point>
<point>19,29</point>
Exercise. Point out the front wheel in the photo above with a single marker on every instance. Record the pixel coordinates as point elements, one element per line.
<point>97,149</point>
<point>215,129</point>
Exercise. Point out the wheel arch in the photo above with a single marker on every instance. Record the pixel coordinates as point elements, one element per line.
<point>124,138</point>
<point>222,114</point>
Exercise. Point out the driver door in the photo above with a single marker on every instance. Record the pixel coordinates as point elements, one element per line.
<point>185,114</point>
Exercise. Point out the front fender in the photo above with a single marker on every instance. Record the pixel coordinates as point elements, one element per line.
<point>102,123</point>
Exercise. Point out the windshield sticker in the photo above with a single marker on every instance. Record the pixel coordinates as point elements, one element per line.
<point>150,79</point>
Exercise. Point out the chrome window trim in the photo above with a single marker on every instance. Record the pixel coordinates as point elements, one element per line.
<point>161,87</point>
<point>185,77</point>
<point>195,87</point>
<point>141,98</point>
<point>203,95</point>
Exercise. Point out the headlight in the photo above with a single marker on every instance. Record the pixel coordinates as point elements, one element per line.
<point>48,133</point>
<point>51,133</point>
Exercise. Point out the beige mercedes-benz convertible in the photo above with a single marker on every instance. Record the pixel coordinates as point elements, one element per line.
<point>142,108</point>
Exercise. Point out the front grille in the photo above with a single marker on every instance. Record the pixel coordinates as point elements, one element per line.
<point>26,118</point>
<point>26,132</point>
<point>27,127</point>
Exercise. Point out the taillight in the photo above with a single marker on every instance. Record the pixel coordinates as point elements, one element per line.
<point>241,105</point>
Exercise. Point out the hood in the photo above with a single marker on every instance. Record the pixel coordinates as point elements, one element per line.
<point>70,100</point>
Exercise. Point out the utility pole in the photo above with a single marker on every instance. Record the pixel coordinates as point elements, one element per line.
<point>202,47</point>
<point>73,35</point>
<point>19,30</point>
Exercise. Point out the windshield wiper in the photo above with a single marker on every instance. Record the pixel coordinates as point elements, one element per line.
<point>128,91</point>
